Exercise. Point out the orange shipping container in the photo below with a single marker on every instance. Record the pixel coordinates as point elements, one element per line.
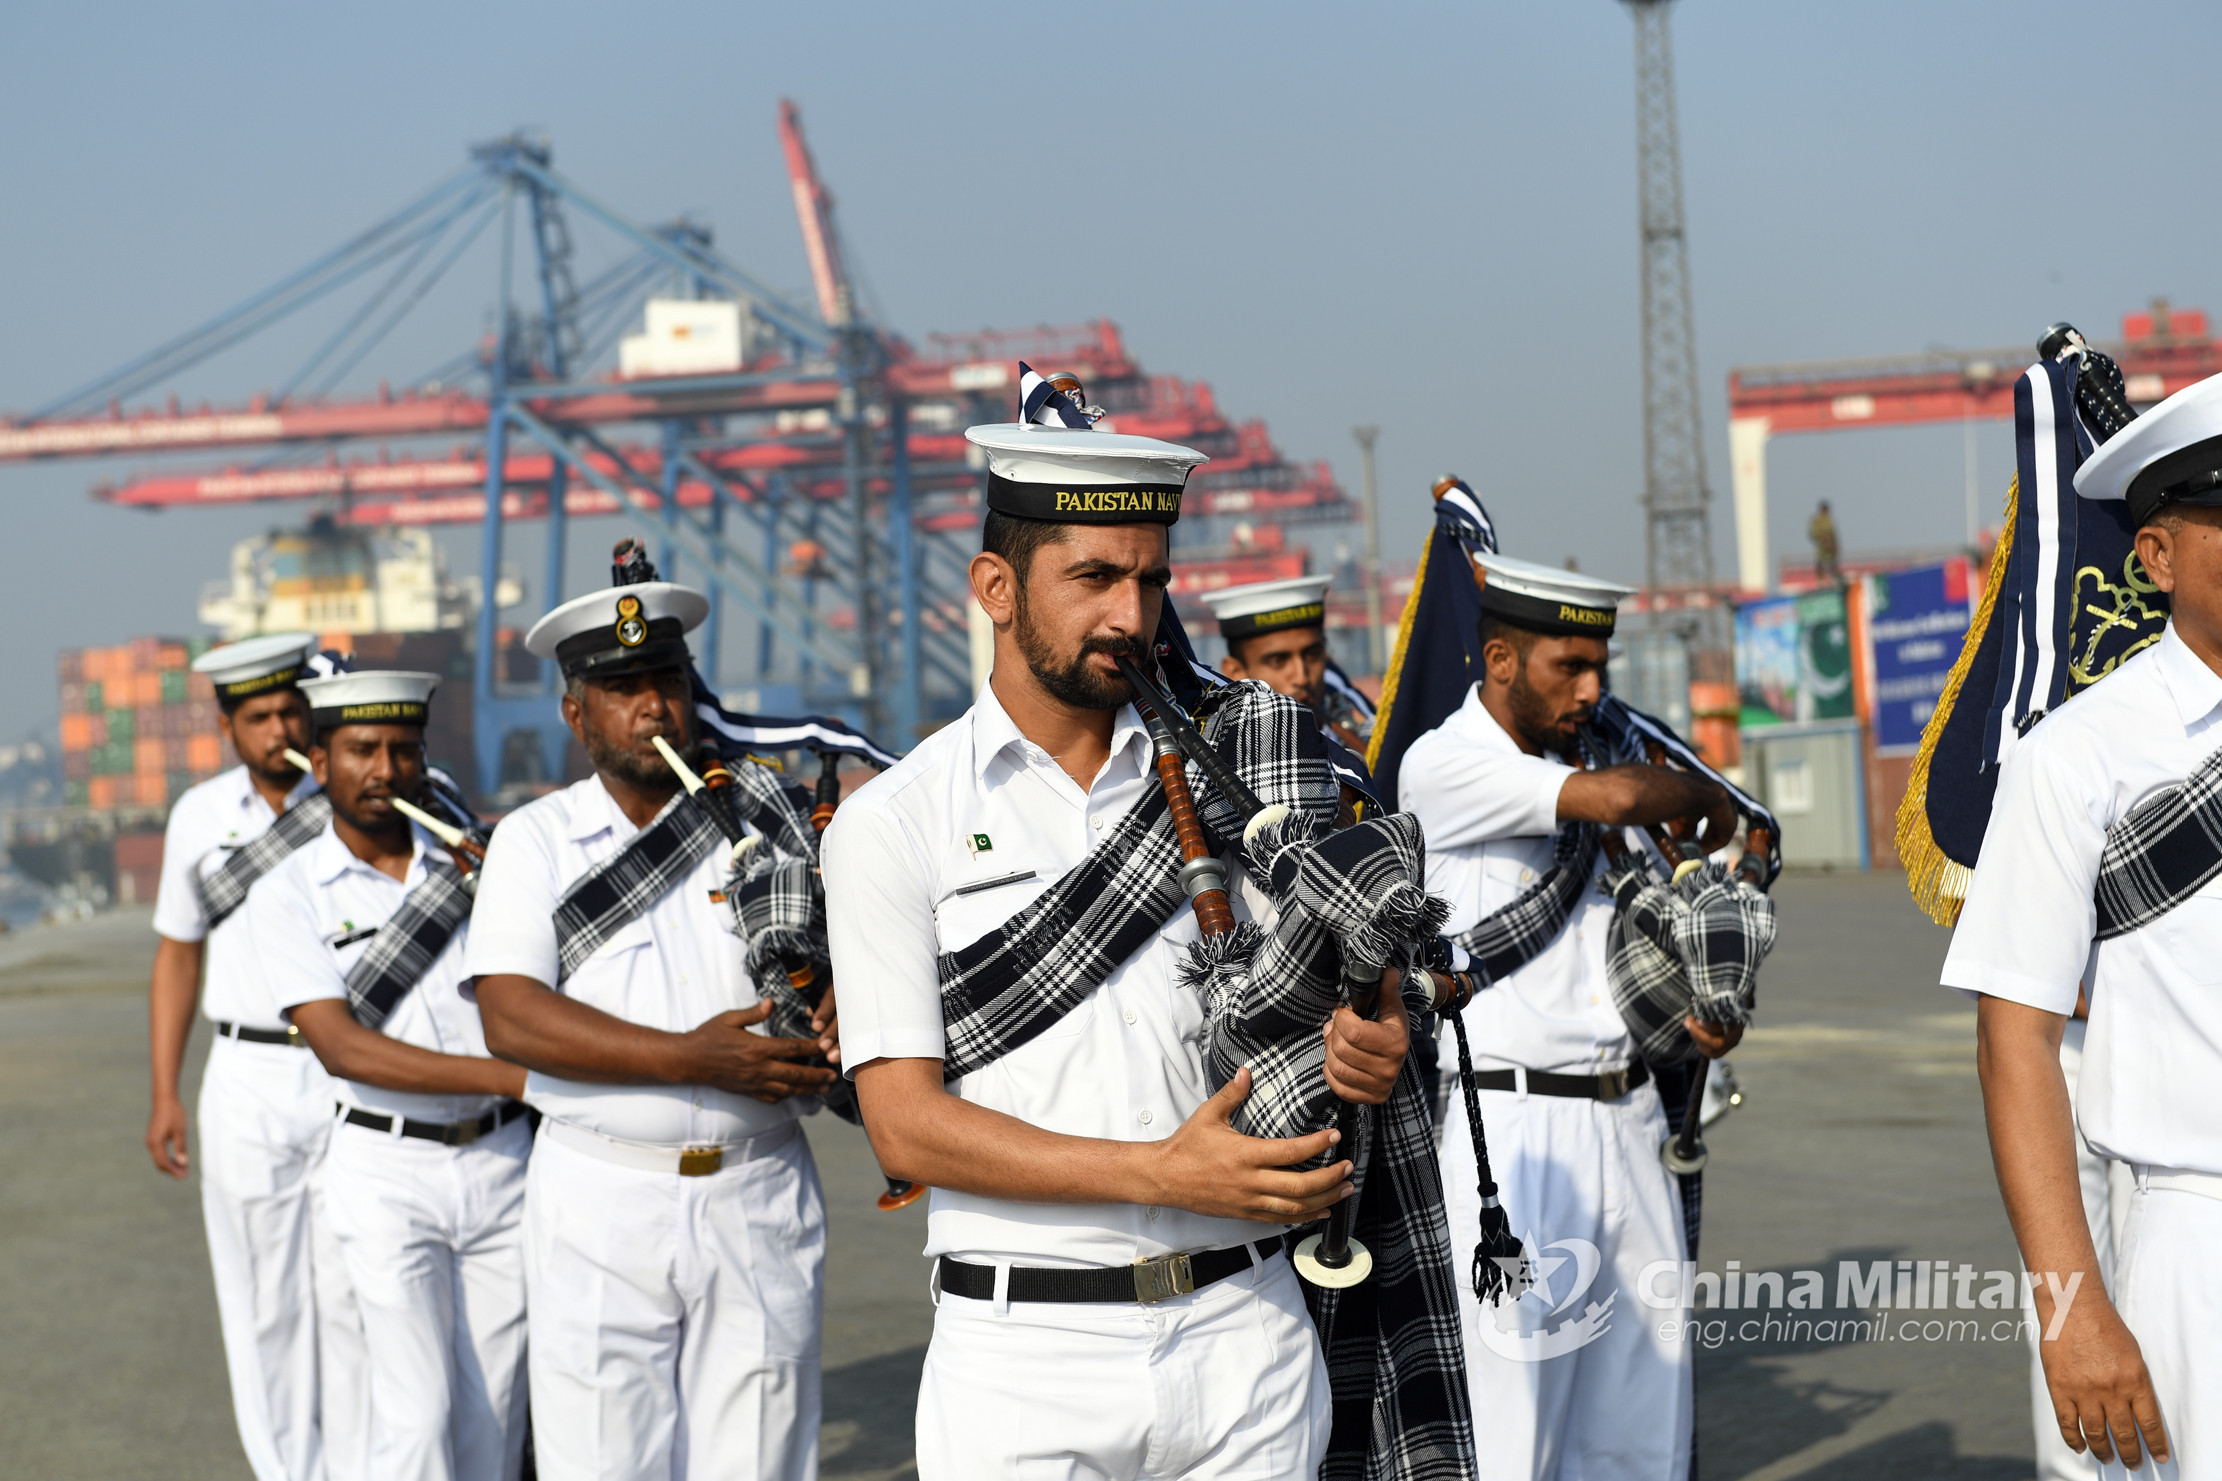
<point>204,754</point>
<point>150,788</point>
<point>146,754</point>
<point>170,656</point>
<point>101,791</point>
<point>83,732</point>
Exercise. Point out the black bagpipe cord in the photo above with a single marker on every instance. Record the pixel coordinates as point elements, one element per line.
<point>1498,1244</point>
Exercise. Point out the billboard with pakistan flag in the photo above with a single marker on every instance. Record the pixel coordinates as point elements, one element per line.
<point>1794,659</point>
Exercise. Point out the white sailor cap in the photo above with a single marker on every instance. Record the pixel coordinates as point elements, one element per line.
<point>369,697</point>
<point>253,666</point>
<point>1546,599</point>
<point>1054,465</point>
<point>2170,455</point>
<point>1269,606</point>
<point>620,629</point>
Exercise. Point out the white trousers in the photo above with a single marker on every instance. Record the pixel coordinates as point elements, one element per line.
<point>2166,1290</point>
<point>2107,1186</point>
<point>434,1242</point>
<point>1574,1381</point>
<point>1222,1384</point>
<point>292,1338</point>
<point>675,1321</point>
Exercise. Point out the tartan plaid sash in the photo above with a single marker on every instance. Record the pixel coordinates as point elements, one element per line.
<point>619,890</point>
<point>2165,851</point>
<point>408,943</point>
<point>225,889</point>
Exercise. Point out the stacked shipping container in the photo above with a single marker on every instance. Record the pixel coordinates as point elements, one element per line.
<point>138,726</point>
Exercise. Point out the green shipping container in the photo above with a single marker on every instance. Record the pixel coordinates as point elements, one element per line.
<point>76,794</point>
<point>93,701</point>
<point>173,686</point>
<point>122,726</point>
<point>113,759</point>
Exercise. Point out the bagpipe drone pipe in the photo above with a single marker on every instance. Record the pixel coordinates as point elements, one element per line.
<point>1687,938</point>
<point>2065,602</point>
<point>1257,775</point>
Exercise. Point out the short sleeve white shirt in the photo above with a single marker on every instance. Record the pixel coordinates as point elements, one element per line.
<point>673,968</point>
<point>311,919</point>
<point>206,824</point>
<point>947,845</point>
<point>1489,811</point>
<point>2153,1051</point>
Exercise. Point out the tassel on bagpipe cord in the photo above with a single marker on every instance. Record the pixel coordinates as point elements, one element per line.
<point>1498,1245</point>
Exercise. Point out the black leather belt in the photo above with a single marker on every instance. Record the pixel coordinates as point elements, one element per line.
<point>447,1133</point>
<point>1145,1281</point>
<point>245,1035</point>
<point>1611,1086</point>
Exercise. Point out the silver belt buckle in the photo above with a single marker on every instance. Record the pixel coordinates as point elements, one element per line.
<point>1614,1085</point>
<point>1167,1275</point>
<point>462,1133</point>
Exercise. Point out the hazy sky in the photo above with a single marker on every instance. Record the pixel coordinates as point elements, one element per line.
<point>1416,215</point>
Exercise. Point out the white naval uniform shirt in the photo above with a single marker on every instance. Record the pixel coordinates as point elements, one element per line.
<point>907,879</point>
<point>210,821</point>
<point>2153,1050</point>
<point>673,968</point>
<point>307,919</point>
<point>1490,812</point>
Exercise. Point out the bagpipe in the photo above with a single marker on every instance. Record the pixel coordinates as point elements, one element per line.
<point>2065,602</point>
<point>1251,773</point>
<point>1688,934</point>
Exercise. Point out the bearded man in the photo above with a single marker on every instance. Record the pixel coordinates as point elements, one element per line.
<point>1113,1297</point>
<point>674,1227</point>
<point>1573,1129</point>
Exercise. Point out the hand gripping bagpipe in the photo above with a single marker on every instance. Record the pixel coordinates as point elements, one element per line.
<point>1688,945</point>
<point>1350,904</point>
<point>778,908</point>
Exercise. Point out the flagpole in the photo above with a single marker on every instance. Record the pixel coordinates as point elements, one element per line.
<point>1377,660</point>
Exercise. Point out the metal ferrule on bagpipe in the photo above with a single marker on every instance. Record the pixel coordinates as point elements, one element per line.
<point>713,788</point>
<point>1684,1152</point>
<point>468,855</point>
<point>1331,1258</point>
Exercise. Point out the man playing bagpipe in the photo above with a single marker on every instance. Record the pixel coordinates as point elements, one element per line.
<point>360,933</point>
<point>1026,1018</point>
<point>2096,882</point>
<point>1592,969</point>
<point>675,1230</point>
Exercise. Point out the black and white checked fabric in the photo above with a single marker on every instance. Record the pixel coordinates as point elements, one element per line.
<point>620,890</point>
<point>2165,851</point>
<point>224,889</point>
<point>1396,1359</point>
<point>1677,950</point>
<point>408,943</point>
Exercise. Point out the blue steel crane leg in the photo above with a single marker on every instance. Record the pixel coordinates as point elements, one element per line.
<point>551,593</point>
<point>667,561</point>
<point>903,536</point>
<point>487,736</point>
<point>774,496</point>
<point>716,619</point>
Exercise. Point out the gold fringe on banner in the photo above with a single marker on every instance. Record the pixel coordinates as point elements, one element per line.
<point>1396,664</point>
<point>1939,884</point>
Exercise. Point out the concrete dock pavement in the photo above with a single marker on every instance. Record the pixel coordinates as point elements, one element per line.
<point>1861,1139</point>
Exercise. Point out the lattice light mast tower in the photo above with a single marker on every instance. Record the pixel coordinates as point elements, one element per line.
<point>1675,493</point>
